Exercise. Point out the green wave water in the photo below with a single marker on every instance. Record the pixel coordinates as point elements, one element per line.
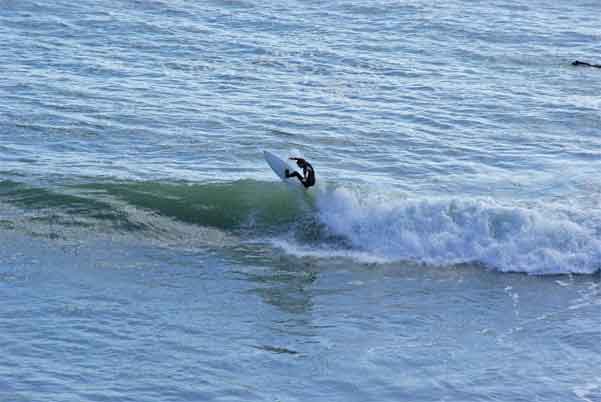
<point>262,206</point>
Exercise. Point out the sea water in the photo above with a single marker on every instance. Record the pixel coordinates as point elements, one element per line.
<point>450,251</point>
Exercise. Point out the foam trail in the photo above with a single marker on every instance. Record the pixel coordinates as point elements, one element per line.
<point>448,232</point>
<point>293,248</point>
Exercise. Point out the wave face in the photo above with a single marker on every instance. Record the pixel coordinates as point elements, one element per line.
<point>262,207</point>
<point>332,222</point>
<point>229,205</point>
<point>448,232</point>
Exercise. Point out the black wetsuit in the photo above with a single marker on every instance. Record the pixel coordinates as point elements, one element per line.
<point>308,177</point>
<point>584,63</point>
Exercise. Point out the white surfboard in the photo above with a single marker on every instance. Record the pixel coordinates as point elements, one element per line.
<point>279,166</point>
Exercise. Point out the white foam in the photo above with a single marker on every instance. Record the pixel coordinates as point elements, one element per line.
<point>297,250</point>
<point>451,231</point>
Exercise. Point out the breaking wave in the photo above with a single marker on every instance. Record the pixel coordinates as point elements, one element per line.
<point>334,222</point>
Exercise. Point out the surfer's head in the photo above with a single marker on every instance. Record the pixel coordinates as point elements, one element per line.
<point>301,163</point>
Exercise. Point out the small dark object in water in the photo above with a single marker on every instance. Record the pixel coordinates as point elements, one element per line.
<point>583,63</point>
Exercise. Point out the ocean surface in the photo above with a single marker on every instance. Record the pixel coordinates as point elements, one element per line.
<point>450,251</point>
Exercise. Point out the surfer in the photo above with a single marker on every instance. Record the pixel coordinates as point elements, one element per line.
<point>584,63</point>
<point>308,177</point>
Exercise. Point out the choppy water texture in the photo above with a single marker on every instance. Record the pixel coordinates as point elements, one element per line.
<point>451,250</point>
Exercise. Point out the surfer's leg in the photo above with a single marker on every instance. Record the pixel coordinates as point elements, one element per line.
<point>294,174</point>
<point>304,182</point>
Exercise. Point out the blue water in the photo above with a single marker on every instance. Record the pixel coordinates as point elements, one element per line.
<point>451,249</point>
